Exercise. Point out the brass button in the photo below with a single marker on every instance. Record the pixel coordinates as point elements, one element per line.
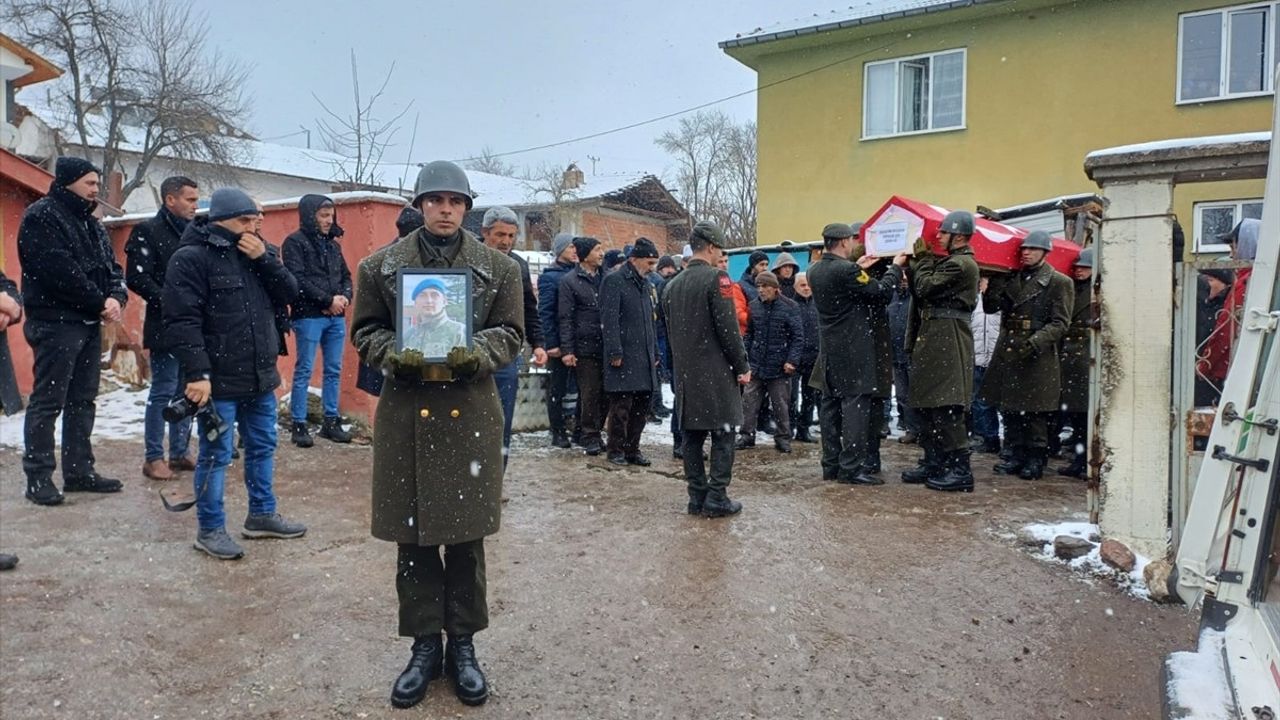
<point>424,412</point>
<point>455,413</point>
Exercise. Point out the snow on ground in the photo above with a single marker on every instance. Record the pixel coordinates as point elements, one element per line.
<point>119,417</point>
<point>1198,680</point>
<point>1090,565</point>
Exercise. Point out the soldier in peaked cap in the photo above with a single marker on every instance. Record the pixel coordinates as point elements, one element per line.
<point>1075,364</point>
<point>437,453</point>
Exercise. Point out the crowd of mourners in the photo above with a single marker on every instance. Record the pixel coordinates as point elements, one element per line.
<point>957,358</point>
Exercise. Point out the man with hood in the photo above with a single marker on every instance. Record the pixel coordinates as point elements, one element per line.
<point>785,269</point>
<point>222,291</point>
<point>151,244</point>
<point>1024,379</point>
<point>757,263</point>
<point>1215,359</point>
<point>314,257</point>
<point>71,284</point>
<point>437,452</point>
<point>370,378</point>
<point>558,384</point>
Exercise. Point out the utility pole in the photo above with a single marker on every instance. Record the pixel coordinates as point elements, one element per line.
<point>308,132</point>
<point>593,160</point>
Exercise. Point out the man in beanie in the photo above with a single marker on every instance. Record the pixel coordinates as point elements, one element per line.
<point>314,257</point>
<point>757,263</point>
<point>710,364</point>
<point>580,338</point>
<point>774,342</point>
<point>71,284</point>
<point>437,455</point>
<point>627,312</point>
<point>151,244</point>
<point>499,228</point>
<point>566,258</point>
<point>221,294</point>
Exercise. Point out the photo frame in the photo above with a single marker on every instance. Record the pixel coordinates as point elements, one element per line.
<point>434,313</point>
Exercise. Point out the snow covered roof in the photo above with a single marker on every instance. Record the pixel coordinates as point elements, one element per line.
<point>867,12</point>
<point>338,198</point>
<point>1183,143</point>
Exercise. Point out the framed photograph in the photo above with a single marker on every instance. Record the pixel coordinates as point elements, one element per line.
<point>435,310</point>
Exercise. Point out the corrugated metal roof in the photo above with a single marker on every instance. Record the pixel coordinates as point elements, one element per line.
<point>868,13</point>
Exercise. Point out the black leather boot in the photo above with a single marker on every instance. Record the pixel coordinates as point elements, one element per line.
<point>1013,464</point>
<point>928,467</point>
<point>717,504</point>
<point>300,435</point>
<point>695,502</point>
<point>42,491</point>
<point>959,477</point>
<point>560,439</point>
<point>1034,467</point>
<point>332,430</point>
<point>461,665</point>
<point>425,665</point>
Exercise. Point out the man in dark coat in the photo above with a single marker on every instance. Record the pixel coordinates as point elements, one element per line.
<point>313,255</point>
<point>221,294</point>
<point>580,341</point>
<point>1075,365</point>
<point>774,342</point>
<point>944,293</point>
<point>627,312</point>
<point>785,268</point>
<point>666,268</point>
<point>1024,378</point>
<point>1212,290</point>
<point>804,397</point>
<point>10,399</point>
<point>757,263</point>
<point>437,447</point>
<point>370,378</point>
<point>151,244</point>
<point>71,284</point>
<point>710,363</point>
<point>559,377</point>
<point>846,370</point>
<point>499,230</point>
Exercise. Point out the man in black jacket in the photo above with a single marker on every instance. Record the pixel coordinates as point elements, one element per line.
<point>71,283</point>
<point>313,256</point>
<point>630,338</point>
<point>150,246</point>
<point>500,227</point>
<point>580,341</point>
<point>774,342</point>
<point>804,398</point>
<point>559,380</point>
<point>221,295</point>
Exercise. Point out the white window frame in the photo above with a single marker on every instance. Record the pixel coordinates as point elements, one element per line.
<point>897,86</point>
<point>1224,59</point>
<point>1205,245</point>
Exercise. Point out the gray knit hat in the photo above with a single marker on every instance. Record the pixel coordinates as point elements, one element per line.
<point>226,203</point>
<point>560,243</point>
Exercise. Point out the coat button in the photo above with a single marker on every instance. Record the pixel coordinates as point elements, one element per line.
<point>455,413</point>
<point>424,412</point>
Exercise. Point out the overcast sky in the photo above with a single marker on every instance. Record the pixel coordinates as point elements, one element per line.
<point>507,74</point>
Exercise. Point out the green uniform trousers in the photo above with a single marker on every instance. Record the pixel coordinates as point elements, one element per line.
<point>942,429</point>
<point>440,595</point>
<point>1027,431</point>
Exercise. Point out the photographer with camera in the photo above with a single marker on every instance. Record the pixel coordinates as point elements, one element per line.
<point>222,291</point>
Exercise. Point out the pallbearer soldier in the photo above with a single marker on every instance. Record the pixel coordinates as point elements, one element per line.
<point>1075,365</point>
<point>710,363</point>
<point>1024,379</point>
<point>944,293</point>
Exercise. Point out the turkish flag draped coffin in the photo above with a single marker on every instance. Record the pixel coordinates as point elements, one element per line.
<point>896,225</point>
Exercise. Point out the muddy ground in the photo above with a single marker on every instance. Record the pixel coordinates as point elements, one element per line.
<point>607,601</point>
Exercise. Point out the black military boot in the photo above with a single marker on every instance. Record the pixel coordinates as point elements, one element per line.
<point>959,477</point>
<point>461,665</point>
<point>44,492</point>
<point>93,483</point>
<point>1034,467</point>
<point>717,504</point>
<point>696,499</point>
<point>1012,460</point>
<point>1076,469</point>
<point>928,467</point>
<point>300,435</point>
<point>425,665</point>
<point>332,430</point>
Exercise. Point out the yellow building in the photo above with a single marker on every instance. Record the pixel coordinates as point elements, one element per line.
<point>996,102</point>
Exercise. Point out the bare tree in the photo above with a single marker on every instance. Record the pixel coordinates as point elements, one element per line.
<point>488,162</point>
<point>360,136</point>
<point>141,82</point>
<point>716,171</point>
<point>547,183</point>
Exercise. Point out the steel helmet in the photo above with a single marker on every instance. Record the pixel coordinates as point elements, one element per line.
<point>958,222</point>
<point>1086,258</point>
<point>441,176</point>
<point>1037,240</point>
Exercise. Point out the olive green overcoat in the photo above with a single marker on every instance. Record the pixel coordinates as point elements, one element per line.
<point>1025,375</point>
<point>944,292</point>
<point>437,447</point>
<point>1075,351</point>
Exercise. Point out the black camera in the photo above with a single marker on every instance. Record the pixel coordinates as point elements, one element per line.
<point>211,423</point>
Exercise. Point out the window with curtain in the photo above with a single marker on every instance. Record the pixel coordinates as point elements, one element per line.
<point>1227,52</point>
<point>915,94</point>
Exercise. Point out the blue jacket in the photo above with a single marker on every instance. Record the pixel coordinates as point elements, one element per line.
<point>775,336</point>
<point>549,301</point>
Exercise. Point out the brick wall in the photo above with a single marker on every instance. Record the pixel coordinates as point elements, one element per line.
<point>615,229</point>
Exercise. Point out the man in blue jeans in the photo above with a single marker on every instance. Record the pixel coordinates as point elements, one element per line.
<point>221,294</point>
<point>313,256</point>
<point>150,246</point>
<point>500,227</point>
